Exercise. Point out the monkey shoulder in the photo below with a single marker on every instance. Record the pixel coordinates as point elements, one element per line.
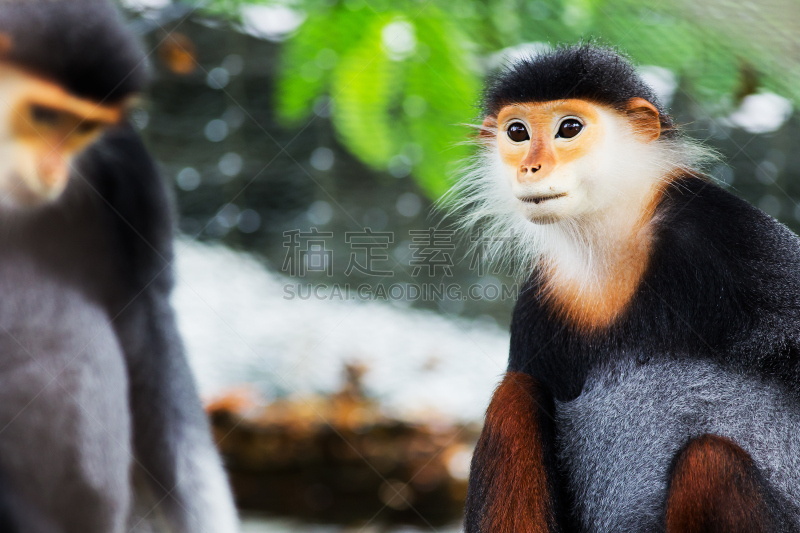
<point>135,204</point>
<point>700,226</point>
<point>727,273</point>
<point>722,284</point>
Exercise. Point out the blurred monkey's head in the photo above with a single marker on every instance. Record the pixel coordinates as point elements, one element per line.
<point>69,70</point>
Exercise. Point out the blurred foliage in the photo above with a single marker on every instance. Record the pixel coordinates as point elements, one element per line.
<point>400,74</point>
<point>398,86</point>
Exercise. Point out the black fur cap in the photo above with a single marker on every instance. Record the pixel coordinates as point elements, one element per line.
<point>583,71</point>
<point>81,45</point>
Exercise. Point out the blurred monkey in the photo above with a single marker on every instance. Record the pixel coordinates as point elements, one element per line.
<point>101,428</point>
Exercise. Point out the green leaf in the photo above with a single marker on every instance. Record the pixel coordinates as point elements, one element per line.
<point>363,88</point>
<point>450,90</point>
<point>408,109</point>
<point>310,57</point>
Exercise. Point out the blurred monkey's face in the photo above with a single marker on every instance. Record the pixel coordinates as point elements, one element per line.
<point>42,129</point>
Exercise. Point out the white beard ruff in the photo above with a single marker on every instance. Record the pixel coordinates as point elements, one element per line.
<point>578,247</point>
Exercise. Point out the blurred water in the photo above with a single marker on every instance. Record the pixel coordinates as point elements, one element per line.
<point>239,328</point>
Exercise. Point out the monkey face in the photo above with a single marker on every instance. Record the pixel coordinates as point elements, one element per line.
<point>42,129</point>
<point>560,157</point>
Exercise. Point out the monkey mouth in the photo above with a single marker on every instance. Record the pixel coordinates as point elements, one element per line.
<point>540,199</point>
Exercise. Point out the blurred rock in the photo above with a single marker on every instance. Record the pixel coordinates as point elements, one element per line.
<point>337,458</point>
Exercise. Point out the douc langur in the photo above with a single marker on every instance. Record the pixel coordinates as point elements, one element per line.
<point>101,429</point>
<point>654,365</point>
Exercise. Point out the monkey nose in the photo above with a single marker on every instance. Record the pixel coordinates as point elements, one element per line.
<point>537,163</point>
<point>53,173</point>
<point>530,173</point>
<point>530,168</point>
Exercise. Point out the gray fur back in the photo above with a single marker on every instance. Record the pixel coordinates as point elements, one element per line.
<point>619,438</point>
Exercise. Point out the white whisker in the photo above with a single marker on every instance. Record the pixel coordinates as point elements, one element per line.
<point>483,201</point>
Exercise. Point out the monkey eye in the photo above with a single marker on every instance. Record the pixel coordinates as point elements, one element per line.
<point>45,115</point>
<point>517,132</point>
<point>569,128</point>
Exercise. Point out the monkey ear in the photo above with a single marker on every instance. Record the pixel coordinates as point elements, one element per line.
<point>489,128</point>
<point>645,118</point>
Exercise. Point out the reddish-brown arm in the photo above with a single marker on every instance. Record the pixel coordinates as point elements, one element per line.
<point>715,487</point>
<point>509,490</point>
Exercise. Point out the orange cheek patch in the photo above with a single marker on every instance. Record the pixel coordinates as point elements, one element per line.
<point>35,90</point>
<point>514,154</point>
<point>542,119</point>
<point>75,122</point>
<point>44,142</point>
<point>581,146</point>
<point>50,125</point>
